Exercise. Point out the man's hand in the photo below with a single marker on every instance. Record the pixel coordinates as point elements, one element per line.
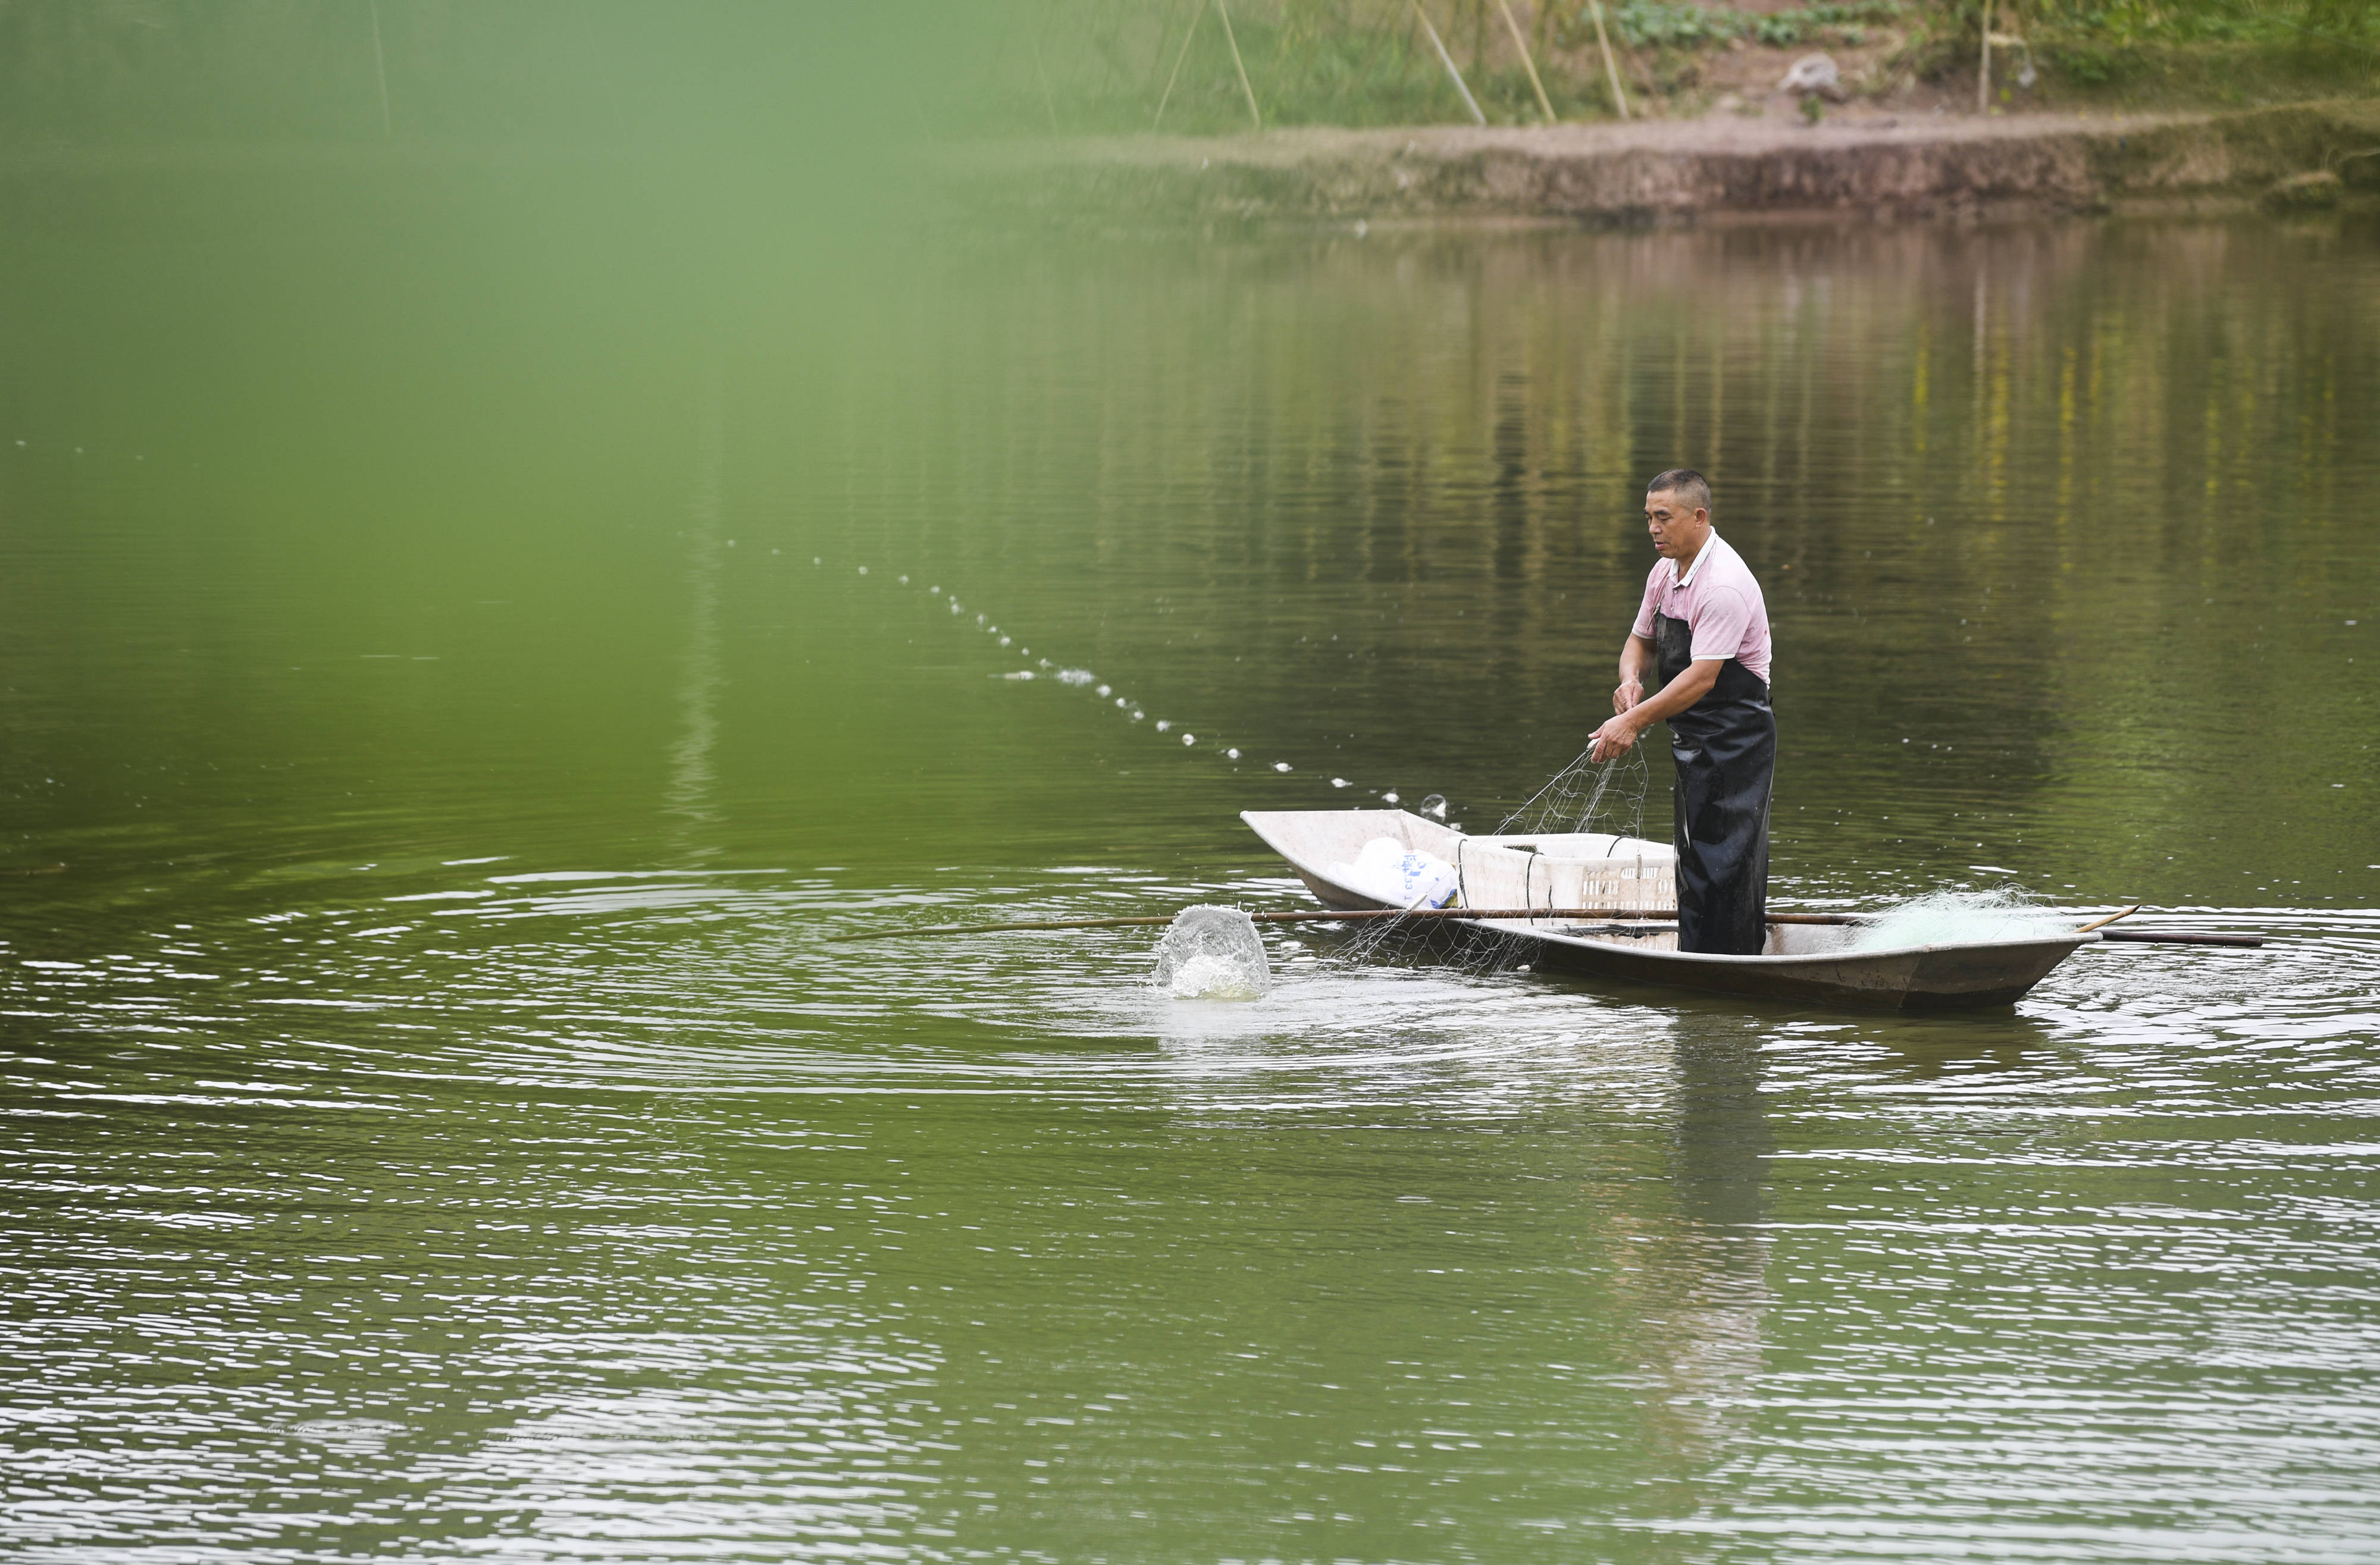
<point>1616,737</point>
<point>1619,735</point>
<point>1631,691</point>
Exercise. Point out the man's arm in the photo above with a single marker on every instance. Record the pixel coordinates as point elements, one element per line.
<point>1618,735</point>
<point>1635,662</point>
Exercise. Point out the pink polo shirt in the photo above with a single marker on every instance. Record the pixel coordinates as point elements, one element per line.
<point>1719,601</point>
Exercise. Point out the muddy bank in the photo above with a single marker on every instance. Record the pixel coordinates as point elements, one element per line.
<point>1681,171</point>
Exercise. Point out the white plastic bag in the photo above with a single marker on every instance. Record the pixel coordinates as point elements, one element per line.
<point>1389,871</point>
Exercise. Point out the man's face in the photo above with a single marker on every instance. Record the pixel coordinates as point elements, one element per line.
<point>1677,530</point>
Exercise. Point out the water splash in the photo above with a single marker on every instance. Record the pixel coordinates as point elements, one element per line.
<point>1212,953</point>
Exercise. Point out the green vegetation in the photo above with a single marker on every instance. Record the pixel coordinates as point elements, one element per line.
<point>618,73</point>
<point>1659,24</point>
<point>2214,52</point>
<point>1088,66</point>
<point>2212,21</point>
<point>591,74</point>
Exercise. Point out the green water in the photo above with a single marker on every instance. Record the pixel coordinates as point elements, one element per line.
<point>444,710</point>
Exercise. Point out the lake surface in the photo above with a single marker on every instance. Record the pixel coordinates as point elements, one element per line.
<point>469,633</point>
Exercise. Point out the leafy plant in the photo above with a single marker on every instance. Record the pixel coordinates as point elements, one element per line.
<point>1681,24</point>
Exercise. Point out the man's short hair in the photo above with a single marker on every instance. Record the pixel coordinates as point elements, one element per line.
<point>1686,484</point>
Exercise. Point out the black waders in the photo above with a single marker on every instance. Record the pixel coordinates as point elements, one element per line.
<point>1724,746</point>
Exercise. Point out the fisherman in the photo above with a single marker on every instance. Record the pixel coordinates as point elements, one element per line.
<point>1704,629</point>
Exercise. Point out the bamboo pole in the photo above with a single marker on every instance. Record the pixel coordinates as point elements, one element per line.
<point>1334,916</point>
<point>379,68</point>
<point>1983,70</point>
<point>2178,937</point>
<point>1526,63</point>
<point>1370,915</point>
<point>1610,66</point>
<point>1238,65</point>
<point>1049,99</point>
<point>1445,59</point>
<point>1198,14</point>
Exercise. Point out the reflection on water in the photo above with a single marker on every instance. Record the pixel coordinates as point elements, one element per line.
<point>690,770</point>
<point>436,1118</point>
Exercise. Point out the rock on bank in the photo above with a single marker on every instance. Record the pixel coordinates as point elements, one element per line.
<point>1679,170</point>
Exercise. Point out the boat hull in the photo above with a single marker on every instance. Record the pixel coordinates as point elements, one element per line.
<point>1935,977</point>
<point>1812,964</point>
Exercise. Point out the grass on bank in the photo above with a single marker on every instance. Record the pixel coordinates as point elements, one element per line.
<point>1103,66</point>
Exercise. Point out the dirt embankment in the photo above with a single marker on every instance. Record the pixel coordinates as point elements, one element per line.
<point>1694,170</point>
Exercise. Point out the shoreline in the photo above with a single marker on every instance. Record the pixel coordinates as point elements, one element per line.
<point>1654,173</point>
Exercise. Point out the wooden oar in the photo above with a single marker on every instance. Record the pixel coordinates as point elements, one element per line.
<point>1326,916</point>
<point>2119,913</point>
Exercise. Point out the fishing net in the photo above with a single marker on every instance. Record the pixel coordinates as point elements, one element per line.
<point>1588,797</point>
<point>1576,843</point>
<point>1949,918</point>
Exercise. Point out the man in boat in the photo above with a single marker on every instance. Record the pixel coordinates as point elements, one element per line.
<point>1704,629</point>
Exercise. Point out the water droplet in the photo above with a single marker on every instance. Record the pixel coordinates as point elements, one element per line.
<point>1138,715</point>
<point>1435,804</point>
<point>1122,702</point>
<point>1189,738</point>
<point>1281,766</point>
<point>1164,723</point>
<point>816,561</point>
<point>1107,689</point>
<point>1338,782</point>
<point>1232,753</point>
<point>904,581</point>
<point>863,570</point>
<point>1003,640</point>
<point>1388,798</point>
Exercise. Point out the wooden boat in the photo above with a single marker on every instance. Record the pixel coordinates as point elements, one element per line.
<point>1631,877</point>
